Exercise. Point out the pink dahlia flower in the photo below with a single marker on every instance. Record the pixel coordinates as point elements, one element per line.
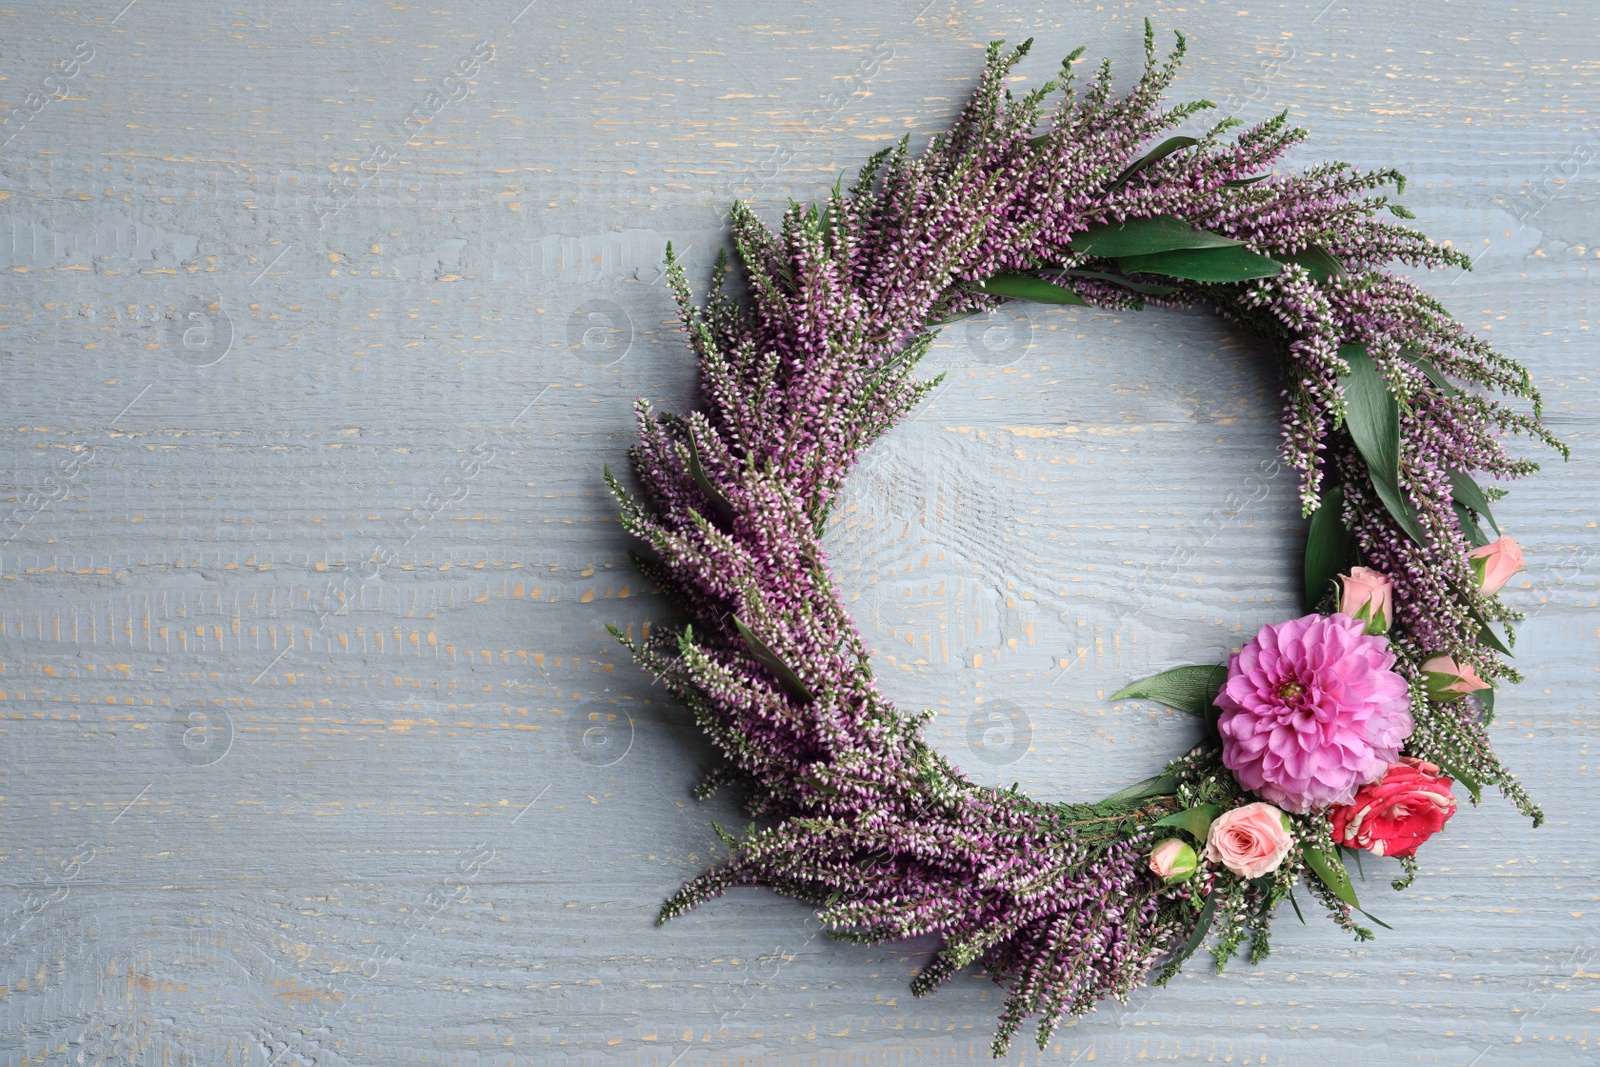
<point>1312,711</point>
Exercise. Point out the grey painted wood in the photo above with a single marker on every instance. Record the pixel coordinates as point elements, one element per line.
<point>261,808</point>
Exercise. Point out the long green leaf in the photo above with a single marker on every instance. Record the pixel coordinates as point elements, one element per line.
<point>1159,785</point>
<point>1468,782</point>
<point>1372,415</point>
<point>1190,689</point>
<point>770,660</point>
<point>1425,365</point>
<point>1156,154</point>
<point>1469,525</point>
<point>1196,820</point>
<point>1138,237</point>
<point>1205,264</point>
<point>1332,872</point>
<point>1465,490</point>
<point>1239,183</point>
<point>719,503</point>
<point>1202,927</point>
<point>1126,283</point>
<point>1027,287</point>
<point>1318,261</point>
<point>1327,546</point>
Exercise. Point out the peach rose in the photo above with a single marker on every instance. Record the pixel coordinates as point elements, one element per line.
<point>1368,595</point>
<point>1250,841</point>
<point>1495,564</point>
<point>1449,680</point>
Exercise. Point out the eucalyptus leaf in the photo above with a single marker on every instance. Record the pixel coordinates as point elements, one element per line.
<point>719,503</point>
<point>770,660</point>
<point>1156,154</point>
<point>1327,546</point>
<point>1196,820</point>
<point>1027,287</point>
<point>1204,264</point>
<point>1466,491</point>
<point>1372,414</point>
<point>1159,785</point>
<point>1329,868</point>
<point>1137,237</point>
<point>1318,261</point>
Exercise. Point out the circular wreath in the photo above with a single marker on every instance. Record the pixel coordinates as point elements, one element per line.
<point>1341,730</point>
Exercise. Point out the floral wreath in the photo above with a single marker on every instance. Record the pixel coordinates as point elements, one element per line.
<point>1339,732</point>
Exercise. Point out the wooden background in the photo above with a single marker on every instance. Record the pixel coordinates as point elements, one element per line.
<point>290,283</point>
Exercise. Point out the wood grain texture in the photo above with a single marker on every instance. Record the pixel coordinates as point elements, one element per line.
<point>282,294</point>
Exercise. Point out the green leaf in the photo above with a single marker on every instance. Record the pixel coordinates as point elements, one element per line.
<point>719,503</point>
<point>1467,781</point>
<point>1332,872</point>
<point>1318,261</point>
<point>1469,525</point>
<point>1190,689</point>
<point>769,659</point>
<point>1156,154</point>
<point>1138,237</point>
<point>1372,415</point>
<point>1239,183</point>
<point>1375,919</point>
<point>1159,785</point>
<point>1126,283</point>
<point>1205,264</point>
<point>1425,365</point>
<point>1327,546</point>
<point>1027,287</point>
<point>1485,699</point>
<point>1487,636</point>
<point>1202,927</point>
<point>1197,820</point>
<point>1466,491</point>
<point>1405,213</point>
<point>1296,905</point>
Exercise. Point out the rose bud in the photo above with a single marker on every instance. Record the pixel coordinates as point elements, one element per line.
<point>1392,816</point>
<point>1495,564</point>
<point>1367,595</point>
<point>1449,680</point>
<point>1173,861</point>
<point>1250,841</point>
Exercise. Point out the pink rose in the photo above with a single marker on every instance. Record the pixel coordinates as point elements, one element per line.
<point>1250,841</point>
<point>1449,680</point>
<point>1393,816</point>
<point>1173,861</point>
<point>1368,595</point>
<point>1495,564</point>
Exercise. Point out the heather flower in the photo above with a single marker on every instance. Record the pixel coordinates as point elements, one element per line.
<point>1312,711</point>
